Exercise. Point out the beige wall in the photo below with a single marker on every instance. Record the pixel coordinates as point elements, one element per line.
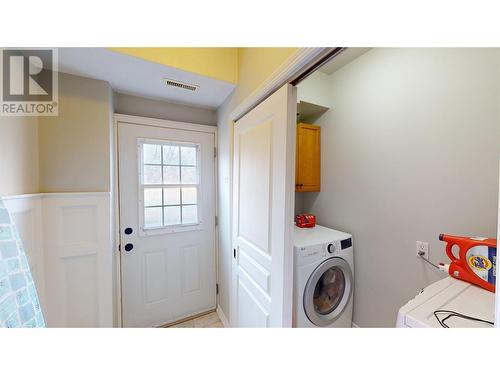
<point>409,150</point>
<point>137,106</point>
<point>255,66</point>
<point>75,146</point>
<point>67,153</point>
<point>18,155</point>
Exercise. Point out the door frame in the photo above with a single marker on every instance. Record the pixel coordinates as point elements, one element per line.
<point>115,188</point>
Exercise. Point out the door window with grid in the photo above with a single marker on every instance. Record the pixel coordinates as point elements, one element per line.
<point>169,184</point>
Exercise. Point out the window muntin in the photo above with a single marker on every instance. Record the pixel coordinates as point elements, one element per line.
<point>170,181</point>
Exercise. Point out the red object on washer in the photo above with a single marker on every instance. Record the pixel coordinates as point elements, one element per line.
<point>305,221</point>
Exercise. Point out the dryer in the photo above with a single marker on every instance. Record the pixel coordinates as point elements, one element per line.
<point>448,294</point>
<point>323,278</point>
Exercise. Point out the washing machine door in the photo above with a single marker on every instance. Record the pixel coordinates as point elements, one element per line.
<point>328,291</point>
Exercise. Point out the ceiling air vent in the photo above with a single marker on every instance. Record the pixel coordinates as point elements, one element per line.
<point>181,85</point>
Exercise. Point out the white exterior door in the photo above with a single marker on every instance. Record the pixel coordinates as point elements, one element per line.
<point>167,222</point>
<point>263,198</point>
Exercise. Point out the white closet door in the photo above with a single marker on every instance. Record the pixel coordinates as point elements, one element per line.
<point>263,183</point>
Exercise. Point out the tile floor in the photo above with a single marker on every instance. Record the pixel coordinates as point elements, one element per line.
<point>210,320</point>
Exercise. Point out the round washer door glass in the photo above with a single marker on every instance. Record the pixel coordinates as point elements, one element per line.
<point>328,291</point>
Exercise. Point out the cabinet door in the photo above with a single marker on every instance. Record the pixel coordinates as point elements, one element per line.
<point>308,163</point>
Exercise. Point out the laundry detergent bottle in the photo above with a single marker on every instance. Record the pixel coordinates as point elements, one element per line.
<point>476,261</point>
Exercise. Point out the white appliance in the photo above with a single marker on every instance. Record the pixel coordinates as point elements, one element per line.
<point>323,278</point>
<point>452,295</point>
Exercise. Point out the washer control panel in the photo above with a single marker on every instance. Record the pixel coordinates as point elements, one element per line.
<point>332,247</point>
<point>336,246</point>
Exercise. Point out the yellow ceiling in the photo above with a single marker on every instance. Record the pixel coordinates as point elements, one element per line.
<point>218,63</point>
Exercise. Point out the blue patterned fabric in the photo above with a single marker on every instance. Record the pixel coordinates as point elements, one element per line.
<point>19,304</point>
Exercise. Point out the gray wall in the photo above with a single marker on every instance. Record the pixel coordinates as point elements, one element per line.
<point>409,150</point>
<point>138,106</point>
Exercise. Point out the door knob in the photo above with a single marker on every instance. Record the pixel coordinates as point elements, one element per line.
<point>129,231</point>
<point>129,247</point>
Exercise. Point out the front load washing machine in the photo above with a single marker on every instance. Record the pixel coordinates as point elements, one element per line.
<point>323,278</point>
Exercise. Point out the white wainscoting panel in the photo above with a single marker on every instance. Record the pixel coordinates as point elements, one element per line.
<point>26,211</point>
<point>68,241</point>
<point>78,259</point>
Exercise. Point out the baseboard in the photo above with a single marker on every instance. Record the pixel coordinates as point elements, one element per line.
<point>222,317</point>
<point>354,325</point>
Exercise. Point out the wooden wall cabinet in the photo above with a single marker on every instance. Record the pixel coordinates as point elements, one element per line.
<point>308,158</point>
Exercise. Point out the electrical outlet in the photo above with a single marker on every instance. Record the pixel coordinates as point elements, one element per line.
<point>423,247</point>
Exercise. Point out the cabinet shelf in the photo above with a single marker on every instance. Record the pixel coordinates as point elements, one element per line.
<point>309,112</point>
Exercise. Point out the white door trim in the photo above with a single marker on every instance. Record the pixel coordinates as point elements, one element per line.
<point>149,121</point>
<point>155,122</point>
